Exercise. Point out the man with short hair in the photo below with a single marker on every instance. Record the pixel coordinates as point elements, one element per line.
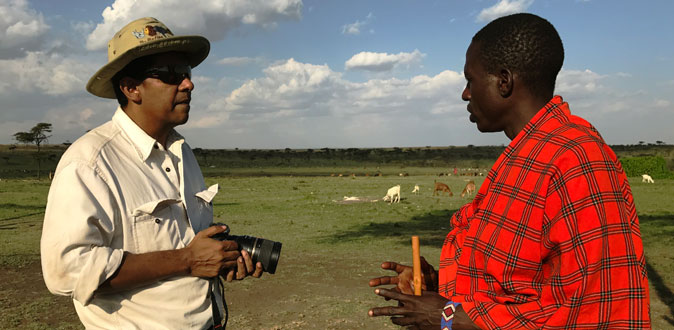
<point>128,220</point>
<point>552,238</point>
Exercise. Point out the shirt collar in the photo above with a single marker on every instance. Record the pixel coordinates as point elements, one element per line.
<point>141,141</point>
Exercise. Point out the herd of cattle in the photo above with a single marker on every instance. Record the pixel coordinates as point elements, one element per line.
<point>440,189</point>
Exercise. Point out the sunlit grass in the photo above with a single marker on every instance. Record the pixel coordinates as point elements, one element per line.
<point>330,250</point>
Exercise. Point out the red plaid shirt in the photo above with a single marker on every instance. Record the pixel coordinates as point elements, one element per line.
<point>552,238</point>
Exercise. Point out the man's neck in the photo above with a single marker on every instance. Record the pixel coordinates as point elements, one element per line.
<point>152,127</point>
<point>524,111</point>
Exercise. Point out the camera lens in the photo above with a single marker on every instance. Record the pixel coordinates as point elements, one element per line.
<point>263,250</point>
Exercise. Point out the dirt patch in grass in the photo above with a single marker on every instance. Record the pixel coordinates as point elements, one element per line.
<point>296,297</point>
<point>304,293</point>
<point>26,302</point>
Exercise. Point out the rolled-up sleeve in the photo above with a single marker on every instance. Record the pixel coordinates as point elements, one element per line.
<point>79,226</point>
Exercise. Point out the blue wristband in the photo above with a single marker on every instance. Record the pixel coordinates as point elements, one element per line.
<point>448,315</point>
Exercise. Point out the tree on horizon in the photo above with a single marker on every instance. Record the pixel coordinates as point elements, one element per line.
<point>37,135</point>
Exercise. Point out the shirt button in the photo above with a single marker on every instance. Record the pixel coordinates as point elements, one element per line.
<point>168,169</point>
<point>157,220</point>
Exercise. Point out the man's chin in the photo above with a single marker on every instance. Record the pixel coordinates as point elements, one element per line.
<point>184,119</point>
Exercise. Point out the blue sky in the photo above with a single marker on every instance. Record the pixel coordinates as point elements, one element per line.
<point>338,74</point>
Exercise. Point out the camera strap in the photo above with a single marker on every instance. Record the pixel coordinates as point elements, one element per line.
<point>217,318</point>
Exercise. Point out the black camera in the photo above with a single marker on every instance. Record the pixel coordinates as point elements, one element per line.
<point>263,250</point>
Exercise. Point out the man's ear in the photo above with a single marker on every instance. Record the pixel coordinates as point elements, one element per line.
<point>506,82</point>
<point>129,88</point>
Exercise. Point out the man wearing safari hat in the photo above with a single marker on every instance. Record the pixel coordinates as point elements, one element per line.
<point>127,226</point>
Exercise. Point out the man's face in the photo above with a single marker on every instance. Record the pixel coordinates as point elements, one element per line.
<point>166,103</point>
<point>482,93</point>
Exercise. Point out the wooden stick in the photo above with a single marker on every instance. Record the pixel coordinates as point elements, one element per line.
<point>417,265</point>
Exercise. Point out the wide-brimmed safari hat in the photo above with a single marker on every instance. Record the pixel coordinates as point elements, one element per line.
<point>142,37</point>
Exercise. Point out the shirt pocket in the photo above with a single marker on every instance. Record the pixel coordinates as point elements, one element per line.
<point>204,207</point>
<point>156,227</point>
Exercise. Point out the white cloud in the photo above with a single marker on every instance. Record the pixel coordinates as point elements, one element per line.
<point>212,19</point>
<point>78,118</point>
<point>70,117</point>
<point>578,83</point>
<point>73,118</point>
<point>239,61</point>
<point>83,28</point>
<point>300,90</point>
<point>354,28</point>
<point>378,62</point>
<point>659,103</point>
<point>503,8</point>
<point>21,28</point>
<point>300,104</point>
<point>40,72</point>
<point>286,86</point>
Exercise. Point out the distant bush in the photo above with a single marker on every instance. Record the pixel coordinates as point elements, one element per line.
<point>655,166</point>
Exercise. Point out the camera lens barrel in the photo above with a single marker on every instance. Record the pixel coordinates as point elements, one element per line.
<point>263,250</point>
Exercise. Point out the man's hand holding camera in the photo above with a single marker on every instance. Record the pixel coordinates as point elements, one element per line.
<point>208,257</point>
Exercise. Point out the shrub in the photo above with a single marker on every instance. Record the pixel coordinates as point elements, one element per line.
<point>655,166</point>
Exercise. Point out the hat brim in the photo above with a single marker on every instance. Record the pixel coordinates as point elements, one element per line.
<point>196,48</point>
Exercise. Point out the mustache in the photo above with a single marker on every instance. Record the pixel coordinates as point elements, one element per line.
<point>186,99</point>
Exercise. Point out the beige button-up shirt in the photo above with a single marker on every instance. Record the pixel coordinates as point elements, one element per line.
<point>116,189</point>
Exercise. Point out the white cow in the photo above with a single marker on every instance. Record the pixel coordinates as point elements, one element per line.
<point>646,178</point>
<point>393,194</point>
<point>416,189</point>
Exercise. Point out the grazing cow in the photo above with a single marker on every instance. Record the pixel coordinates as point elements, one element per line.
<point>393,194</point>
<point>442,188</point>
<point>646,178</point>
<point>416,189</point>
<point>469,189</point>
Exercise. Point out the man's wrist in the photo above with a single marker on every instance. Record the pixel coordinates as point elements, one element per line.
<point>184,256</point>
<point>448,315</point>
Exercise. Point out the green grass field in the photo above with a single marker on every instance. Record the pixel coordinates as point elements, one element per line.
<point>330,249</point>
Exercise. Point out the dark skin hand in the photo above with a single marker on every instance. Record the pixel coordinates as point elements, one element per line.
<point>203,257</point>
<point>405,279</point>
<point>212,257</point>
<point>420,312</point>
<point>415,312</point>
<point>245,268</point>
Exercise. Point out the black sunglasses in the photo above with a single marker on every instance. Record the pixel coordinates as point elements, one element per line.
<point>169,74</point>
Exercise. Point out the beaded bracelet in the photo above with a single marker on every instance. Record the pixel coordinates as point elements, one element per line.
<point>448,315</point>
